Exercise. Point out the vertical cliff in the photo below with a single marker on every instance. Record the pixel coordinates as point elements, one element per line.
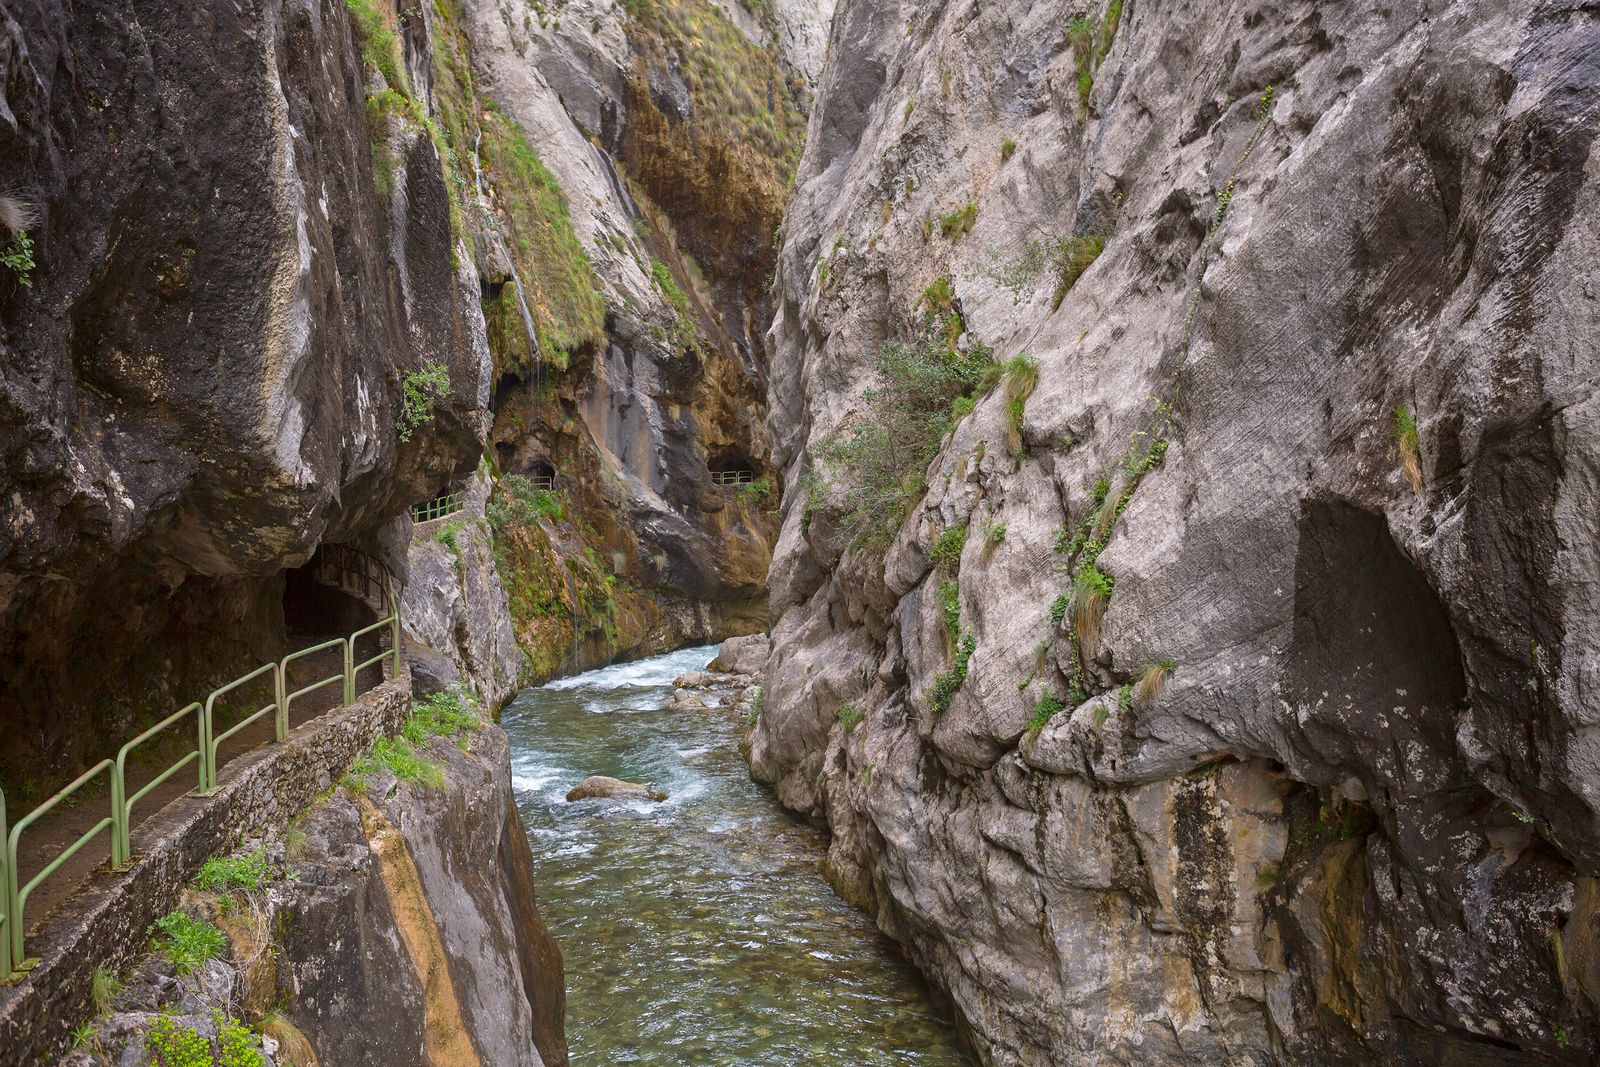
<point>1224,672</point>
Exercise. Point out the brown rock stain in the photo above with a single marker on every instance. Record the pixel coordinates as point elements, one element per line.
<point>444,1027</point>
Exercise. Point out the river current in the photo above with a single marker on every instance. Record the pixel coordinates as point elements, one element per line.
<point>698,932</point>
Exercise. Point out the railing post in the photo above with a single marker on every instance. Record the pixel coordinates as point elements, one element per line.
<point>281,690</point>
<point>208,773</point>
<point>119,817</point>
<point>13,919</point>
<point>349,671</point>
<point>5,896</point>
<point>394,624</point>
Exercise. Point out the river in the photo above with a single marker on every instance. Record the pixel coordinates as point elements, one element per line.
<point>698,932</point>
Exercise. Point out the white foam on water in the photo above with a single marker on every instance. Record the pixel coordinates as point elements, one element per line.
<point>531,783</point>
<point>640,674</point>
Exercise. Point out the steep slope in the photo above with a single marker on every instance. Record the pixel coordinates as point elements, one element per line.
<point>1224,688</point>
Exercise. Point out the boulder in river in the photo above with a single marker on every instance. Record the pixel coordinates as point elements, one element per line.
<point>599,786</point>
<point>742,655</point>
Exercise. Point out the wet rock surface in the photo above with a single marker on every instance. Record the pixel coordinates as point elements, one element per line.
<point>600,787</point>
<point>1321,787</point>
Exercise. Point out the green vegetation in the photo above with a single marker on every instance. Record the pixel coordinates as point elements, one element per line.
<point>962,406</point>
<point>1267,876</point>
<point>229,874</point>
<point>449,713</point>
<point>958,222</point>
<point>1043,711</point>
<point>397,756</point>
<point>1062,259</point>
<point>947,547</point>
<point>938,297</point>
<point>1108,28</point>
<point>17,256</point>
<point>1405,439</point>
<point>684,334</point>
<point>172,1045</point>
<point>850,714</point>
<point>421,390</point>
<point>1058,610</point>
<point>1022,378</point>
<point>380,46</point>
<point>1152,680</point>
<point>950,608</point>
<point>755,494</point>
<point>103,989</point>
<point>517,503</point>
<point>559,282</point>
<point>1081,34</point>
<point>83,1034</point>
<point>1008,148</point>
<point>946,684</point>
<point>186,941</point>
<point>446,534</point>
<point>1091,592</point>
<point>1125,699</point>
<point>886,453</point>
<point>994,531</point>
<point>755,706</point>
<point>911,105</point>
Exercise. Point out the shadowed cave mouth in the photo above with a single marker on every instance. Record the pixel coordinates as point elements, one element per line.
<point>315,610</point>
<point>1374,656</point>
<point>730,466</point>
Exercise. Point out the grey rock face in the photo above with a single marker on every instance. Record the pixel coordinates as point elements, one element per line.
<point>1355,820</point>
<point>455,602</point>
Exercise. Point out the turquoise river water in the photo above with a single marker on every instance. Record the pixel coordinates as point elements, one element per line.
<point>698,932</point>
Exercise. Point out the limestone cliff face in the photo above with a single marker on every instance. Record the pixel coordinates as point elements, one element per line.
<point>241,250</point>
<point>669,131</point>
<point>1322,788</point>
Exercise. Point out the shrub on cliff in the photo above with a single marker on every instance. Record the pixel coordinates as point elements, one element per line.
<point>884,455</point>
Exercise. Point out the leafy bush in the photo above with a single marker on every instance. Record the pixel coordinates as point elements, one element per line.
<point>186,941</point>
<point>755,494</point>
<point>380,47</point>
<point>886,453</point>
<point>421,390</point>
<point>962,406</point>
<point>1047,706</point>
<point>17,256</point>
<point>1058,611</point>
<point>850,715</point>
<point>517,503</point>
<point>958,222</point>
<point>947,547</point>
<point>446,534</point>
<point>994,531</point>
<point>170,1044</point>
<point>228,874</point>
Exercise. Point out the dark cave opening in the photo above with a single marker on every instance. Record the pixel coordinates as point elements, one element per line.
<point>316,609</point>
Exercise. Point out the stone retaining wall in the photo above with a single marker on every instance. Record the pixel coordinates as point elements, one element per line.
<point>106,924</point>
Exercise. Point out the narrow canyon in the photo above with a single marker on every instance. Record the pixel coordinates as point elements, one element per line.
<point>736,532</point>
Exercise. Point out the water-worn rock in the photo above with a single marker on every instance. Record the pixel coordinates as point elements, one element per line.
<point>600,787</point>
<point>742,655</point>
<point>1353,818</point>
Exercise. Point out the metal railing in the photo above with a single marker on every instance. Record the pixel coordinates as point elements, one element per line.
<point>546,482</point>
<point>732,477</point>
<point>438,507</point>
<point>347,568</point>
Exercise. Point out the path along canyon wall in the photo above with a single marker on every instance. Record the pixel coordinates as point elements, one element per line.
<point>1322,785</point>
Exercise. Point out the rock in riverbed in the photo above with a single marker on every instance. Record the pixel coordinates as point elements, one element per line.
<point>599,786</point>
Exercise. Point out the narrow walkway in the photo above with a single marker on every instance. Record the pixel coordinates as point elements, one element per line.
<point>44,840</point>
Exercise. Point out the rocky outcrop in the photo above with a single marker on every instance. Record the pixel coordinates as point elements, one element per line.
<point>742,655</point>
<point>454,608</point>
<point>396,925</point>
<point>1249,721</point>
<point>242,253</point>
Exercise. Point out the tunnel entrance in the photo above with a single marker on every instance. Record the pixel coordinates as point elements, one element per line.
<point>314,609</point>
<point>731,467</point>
<point>542,475</point>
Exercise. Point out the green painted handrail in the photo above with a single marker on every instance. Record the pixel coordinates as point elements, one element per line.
<point>438,507</point>
<point>17,899</point>
<point>122,804</point>
<point>354,569</point>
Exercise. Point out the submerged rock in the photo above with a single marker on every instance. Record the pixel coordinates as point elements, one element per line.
<point>599,787</point>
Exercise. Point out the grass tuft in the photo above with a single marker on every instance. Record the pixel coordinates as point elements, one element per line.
<point>1008,148</point>
<point>186,941</point>
<point>1091,592</point>
<point>850,715</point>
<point>1152,680</point>
<point>959,222</point>
<point>103,989</point>
<point>229,874</point>
<point>1043,711</point>
<point>1405,439</point>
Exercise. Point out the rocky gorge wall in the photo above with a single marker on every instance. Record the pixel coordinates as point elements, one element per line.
<point>1250,721</point>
